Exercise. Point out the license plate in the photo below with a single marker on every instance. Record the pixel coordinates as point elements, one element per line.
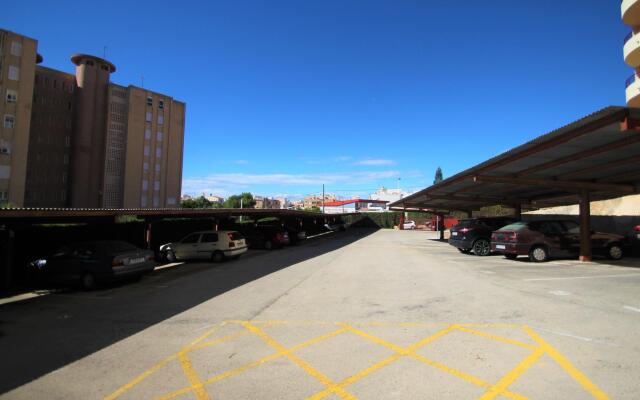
<point>638,235</point>
<point>500,246</point>
<point>454,233</point>
<point>136,260</point>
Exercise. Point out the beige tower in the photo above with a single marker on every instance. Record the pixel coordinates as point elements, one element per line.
<point>630,10</point>
<point>88,145</point>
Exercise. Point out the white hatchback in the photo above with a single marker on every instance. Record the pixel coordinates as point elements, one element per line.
<point>205,245</point>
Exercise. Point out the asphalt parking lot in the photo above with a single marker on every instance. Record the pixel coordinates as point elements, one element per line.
<point>360,314</point>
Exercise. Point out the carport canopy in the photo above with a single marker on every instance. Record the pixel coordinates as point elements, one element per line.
<point>594,158</point>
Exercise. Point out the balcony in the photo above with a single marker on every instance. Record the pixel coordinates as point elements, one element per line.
<point>631,50</point>
<point>630,10</point>
<point>633,91</point>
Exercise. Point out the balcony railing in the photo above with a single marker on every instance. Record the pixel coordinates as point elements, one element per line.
<point>630,80</point>
<point>629,36</point>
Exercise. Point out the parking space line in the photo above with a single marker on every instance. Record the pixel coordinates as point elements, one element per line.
<point>578,376</point>
<point>580,277</point>
<point>192,376</point>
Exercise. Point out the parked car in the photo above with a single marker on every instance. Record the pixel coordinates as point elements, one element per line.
<point>205,245</point>
<point>409,225</point>
<point>90,263</point>
<point>296,235</point>
<point>267,237</point>
<point>541,240</point>
<point>335,226</point>
<point>474,234</point>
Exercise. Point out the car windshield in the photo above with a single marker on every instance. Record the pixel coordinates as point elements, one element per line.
<point>466,222</point>
<point>236,236</point>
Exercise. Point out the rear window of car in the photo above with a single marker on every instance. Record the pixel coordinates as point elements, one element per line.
<point>514,226</point>
<point>236,235</point>
<point>466,222</point>
<point>115,246</point>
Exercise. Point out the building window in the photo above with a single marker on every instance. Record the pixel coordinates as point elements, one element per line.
<point>89,63</point>
<point>160,119</point>
<point>9,121</point>
<point>159,136</point>
<point>161,104</point>
<point>55,84</point>
<point>63,195</point>
<point>157,167</point>
<point>67,141</point>
<point>143,200</point>
<point>146,149</point>
<point>156,201</point>
<point>158,152</point>
<point>156,185</point>
<point>64,177</point>
<point>147,133</point>
<point>104,67</point>
<point>14,73</point>
<point>145,184</point>
<point>5,147</point>
<point>4,195</point>
<point>148,117</point>
<point>149,101</point>
<point>65,159</point>
<point>12,96</point>
<point>16,48</point>
<point>145,166</point>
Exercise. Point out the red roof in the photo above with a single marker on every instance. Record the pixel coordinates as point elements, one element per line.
<point>352,201</point>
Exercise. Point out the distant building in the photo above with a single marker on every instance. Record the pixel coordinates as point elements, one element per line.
<point>265,202</point>
<point>389,195</point>
<point>78,140</point>
<point>186,197</point>
<point>213,199</point>
<point>316,201</point>
<point>284,202</point>
<point>355,205</point>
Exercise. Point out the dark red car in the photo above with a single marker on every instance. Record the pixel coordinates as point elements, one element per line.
<point>541,240</point>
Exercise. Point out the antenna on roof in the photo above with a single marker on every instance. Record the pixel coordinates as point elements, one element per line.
<point>142,81</point>
<point>104,52</point>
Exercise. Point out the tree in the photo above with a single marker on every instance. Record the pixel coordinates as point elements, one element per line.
<point>313,209</point>
<point>200,202</point>
<point>234,201</point>
<point>438,177</point>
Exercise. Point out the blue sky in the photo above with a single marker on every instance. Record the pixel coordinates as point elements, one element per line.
<point>283,96</point>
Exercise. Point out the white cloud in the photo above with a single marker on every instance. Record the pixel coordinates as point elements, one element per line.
<point>374,161</point>
<point>241,162</point>
<point>229,183</point>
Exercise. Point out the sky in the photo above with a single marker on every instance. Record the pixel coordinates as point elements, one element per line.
<point>285,96</point>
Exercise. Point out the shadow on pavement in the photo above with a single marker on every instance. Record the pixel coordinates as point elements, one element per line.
<point>42,334</point>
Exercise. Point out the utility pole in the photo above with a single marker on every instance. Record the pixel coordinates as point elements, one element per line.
<point>323,198</point>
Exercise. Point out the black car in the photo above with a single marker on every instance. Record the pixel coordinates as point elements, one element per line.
<point>474,234</point>
<point>88,263</point>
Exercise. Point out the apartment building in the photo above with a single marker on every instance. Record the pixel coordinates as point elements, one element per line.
<point>265,202</point>
<point>18,59</point>
<point>316,201</point>
<point>79,140</point>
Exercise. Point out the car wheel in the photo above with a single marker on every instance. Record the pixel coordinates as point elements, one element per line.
<point>268,245</point>
<point>88,281</point>
<point>217,257</point>
<point>481,247</point>
<point>464,251</point>
<point>539,254</point>
<point>615,252</point>
<point>169,256</point>
<point>511,256</point>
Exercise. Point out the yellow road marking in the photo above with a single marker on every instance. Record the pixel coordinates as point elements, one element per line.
<point>578,376</point>
<point>497,338</point>
<point>306,367</point>
<point>192,376</point>
<point>241,369</point>
<point>128,386</point>
<point>512,375</point>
